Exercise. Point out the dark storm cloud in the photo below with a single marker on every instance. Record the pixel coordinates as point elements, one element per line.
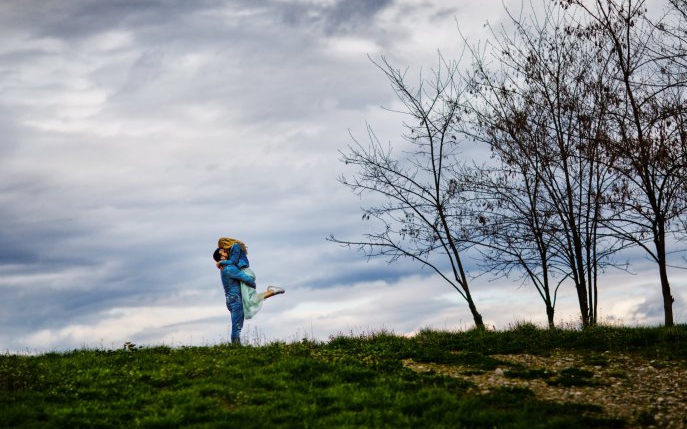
<point>52,309</point>
<point>78,19</point>
<point>339,18</point>
<point>354,15</point>
<point>31,233</point>
<point>164,32</point>
<point>339,272</point>
<point>10,131</point>
<point>27,244</point>
<point>652,307</point>
<point>61,293</point>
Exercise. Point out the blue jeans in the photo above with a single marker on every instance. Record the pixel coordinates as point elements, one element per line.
<point>235,306</point>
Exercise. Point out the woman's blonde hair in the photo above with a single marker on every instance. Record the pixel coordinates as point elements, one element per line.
<point>226,243</point>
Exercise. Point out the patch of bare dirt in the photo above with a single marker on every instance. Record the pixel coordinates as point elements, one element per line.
<point>644,393</point>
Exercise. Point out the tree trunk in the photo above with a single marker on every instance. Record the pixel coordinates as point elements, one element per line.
<point>479,324</point>
<point>668,299</point>
<point>549,315</point>
<point>584,307</point>
<point>581,281</point>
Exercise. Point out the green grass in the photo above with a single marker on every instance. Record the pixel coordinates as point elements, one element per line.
<point>344,382</point>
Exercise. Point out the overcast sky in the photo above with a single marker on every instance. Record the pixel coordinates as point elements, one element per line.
<point>135,133</point>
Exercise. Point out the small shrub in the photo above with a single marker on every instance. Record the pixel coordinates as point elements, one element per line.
<point>596,360</point>
<point>646,418</point>
<point>529,374</point>
<point>573,376</point>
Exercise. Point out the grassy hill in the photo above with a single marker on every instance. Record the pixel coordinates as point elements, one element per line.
<point>434,380</point>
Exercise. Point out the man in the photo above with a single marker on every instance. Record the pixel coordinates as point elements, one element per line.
<point>232,276</point>
<point>243,301</point>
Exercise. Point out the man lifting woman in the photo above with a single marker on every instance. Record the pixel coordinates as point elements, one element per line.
<point>238,280</point>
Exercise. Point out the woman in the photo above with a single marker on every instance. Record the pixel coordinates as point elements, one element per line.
<point>234,263</point>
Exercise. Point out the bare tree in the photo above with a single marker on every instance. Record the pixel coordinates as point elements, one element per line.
<point>515,225</point>
<point>647,124</point>
<point>541,110</point>
<point>420,215</point>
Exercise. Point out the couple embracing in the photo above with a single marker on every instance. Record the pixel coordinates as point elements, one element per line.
<point>243,300</point>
